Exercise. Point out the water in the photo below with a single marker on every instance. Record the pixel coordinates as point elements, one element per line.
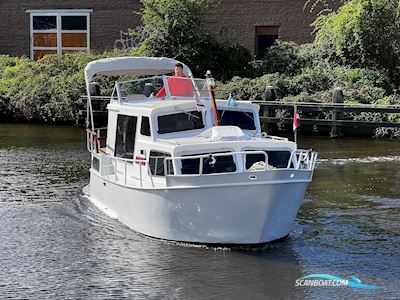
<point>54,244</point>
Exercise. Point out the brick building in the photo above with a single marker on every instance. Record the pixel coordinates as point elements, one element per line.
<point>37,27</point>
<point>256,24</point>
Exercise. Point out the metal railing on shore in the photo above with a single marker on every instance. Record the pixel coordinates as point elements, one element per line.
<point>333,114</point>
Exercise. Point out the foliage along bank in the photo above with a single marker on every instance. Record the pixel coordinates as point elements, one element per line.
<point>49,90</point>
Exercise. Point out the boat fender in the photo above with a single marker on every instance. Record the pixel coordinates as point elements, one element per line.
<point>213,160</point>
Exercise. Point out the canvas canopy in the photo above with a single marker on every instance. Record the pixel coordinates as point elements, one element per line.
<point>132,66</point>
<point>222,133</point>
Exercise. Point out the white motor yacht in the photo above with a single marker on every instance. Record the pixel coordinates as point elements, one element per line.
<point>164,169</point>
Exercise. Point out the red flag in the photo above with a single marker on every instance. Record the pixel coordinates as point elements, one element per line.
<point>296,119</point>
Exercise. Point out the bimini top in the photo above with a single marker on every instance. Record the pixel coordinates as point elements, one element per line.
<point>118,66</point>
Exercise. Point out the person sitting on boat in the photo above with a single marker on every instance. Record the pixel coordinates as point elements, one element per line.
<point>179,85</point>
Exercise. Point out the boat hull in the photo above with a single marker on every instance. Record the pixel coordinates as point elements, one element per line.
<point>251,213</point>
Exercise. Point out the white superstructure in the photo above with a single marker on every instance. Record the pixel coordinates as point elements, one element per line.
<point>162,168</point>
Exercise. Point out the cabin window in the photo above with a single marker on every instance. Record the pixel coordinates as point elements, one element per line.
<point>145,126</point>
<point>59,32</point>
<point>242,119</point>
<point>223,164</point>
<point>125,136</point>
<point>276,159</point>
<point>156,163</point>
<point>180,122</point>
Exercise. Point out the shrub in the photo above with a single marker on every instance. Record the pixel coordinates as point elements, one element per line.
<point>291,59</point>
<point>6,61</point>
<point>47,90</point>
<point>364,34</point>
<point>314,84</point>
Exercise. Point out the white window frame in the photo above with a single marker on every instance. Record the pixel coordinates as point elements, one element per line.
<point>59,14</point>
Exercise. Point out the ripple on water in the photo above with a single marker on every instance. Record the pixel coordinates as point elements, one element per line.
<point>364,160</point>
<point>40,174</point>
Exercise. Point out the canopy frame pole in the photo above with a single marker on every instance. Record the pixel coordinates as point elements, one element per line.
<point>90,110</point>
<point>166,86</point>
<point>194,85</point>
<point>118,89</point>
<point>113,92</point>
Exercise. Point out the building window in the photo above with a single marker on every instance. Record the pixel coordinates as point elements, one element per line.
<point>59,32</point>
<point>265,37</point>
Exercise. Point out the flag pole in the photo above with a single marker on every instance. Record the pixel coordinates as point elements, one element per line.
<point>211,86</point>
<point>295,123</point>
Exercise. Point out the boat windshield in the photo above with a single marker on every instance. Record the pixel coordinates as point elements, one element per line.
<point>180,122</point>
<point>140,88</point>
<point>163,87</point>
<point>243,119</point>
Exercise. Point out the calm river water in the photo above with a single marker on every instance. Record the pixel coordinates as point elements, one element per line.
<point>55,245</point>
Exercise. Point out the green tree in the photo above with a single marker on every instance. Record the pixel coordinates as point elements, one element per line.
<point>175,26</point>
<point>176,29</point>
<point>364,33</point>
<point>323,6</point>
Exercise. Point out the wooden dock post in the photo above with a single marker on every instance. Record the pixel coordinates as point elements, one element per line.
<point>269,95</point>
<point>337,98</point>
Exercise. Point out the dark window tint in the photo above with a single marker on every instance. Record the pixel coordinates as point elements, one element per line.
<point>277,159</point>
<point>73,23</point>
<point>96,163</point>
<point>125,136</point>
<point>264,42</point>
<point>44,22</point>
<point>265,38</point>
<point>253,158</point>
<point>145,126</point>
<point>223,164</point>
<point>156,163</point>
<point>244,120</point>
<point>180,122</point>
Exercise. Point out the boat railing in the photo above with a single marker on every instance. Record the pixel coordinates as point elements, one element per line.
<point>117,169</point>
<point>273,137</point>
<point>94,139</point>
<point>302,159</point>
<point>148,88</point>
<point>120,169</point>
<point>299,160</point>
<point>212,157</point>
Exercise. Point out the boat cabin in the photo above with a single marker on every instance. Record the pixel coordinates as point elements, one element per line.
<point>150,137</point>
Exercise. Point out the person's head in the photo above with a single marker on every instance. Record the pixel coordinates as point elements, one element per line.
<point>179,69</point>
